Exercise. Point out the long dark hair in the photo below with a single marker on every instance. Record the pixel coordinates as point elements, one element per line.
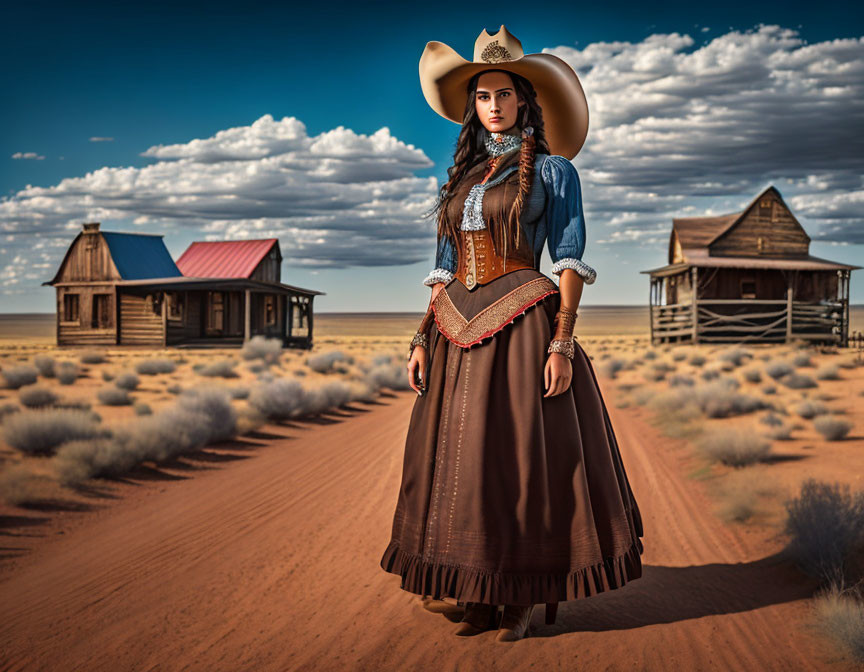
<point>471,151</point>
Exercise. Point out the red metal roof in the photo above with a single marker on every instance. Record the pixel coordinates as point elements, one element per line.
<point>224,258</point>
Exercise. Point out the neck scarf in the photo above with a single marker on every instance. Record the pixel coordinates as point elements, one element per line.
<point>501,143</point>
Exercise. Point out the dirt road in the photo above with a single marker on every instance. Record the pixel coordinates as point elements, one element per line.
<point>263,555</point>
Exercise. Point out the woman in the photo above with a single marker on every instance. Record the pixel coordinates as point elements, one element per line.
<point>513,491</point>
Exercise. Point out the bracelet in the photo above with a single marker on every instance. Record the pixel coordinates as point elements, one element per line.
<point>565,347</point>
<point>420,339</point>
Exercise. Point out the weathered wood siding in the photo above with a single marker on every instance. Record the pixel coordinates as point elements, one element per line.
<point>139,323</point>
<point>269,268</point>
<point>82,331</point>
<point>88,260</point>
<point>767,230</point>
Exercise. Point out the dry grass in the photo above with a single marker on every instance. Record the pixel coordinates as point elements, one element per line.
<point>825,525</point>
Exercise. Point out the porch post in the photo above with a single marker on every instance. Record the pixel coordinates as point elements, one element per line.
<point>789,313</point>
<point>247,321</point>
<point>695,308</point>
<point>652,288</point>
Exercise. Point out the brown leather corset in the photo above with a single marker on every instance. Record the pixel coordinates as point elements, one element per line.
<point>478,263</point>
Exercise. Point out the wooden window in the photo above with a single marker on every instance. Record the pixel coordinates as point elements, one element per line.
<point>70,308</point>
<point>100,314</point>
<point>748,289</point>
<point>269,309</point>
<point>176,302</point>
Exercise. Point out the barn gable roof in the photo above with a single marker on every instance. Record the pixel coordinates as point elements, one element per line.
<point>136,256</point>
<point>701,232</point>
<point>225,258</point>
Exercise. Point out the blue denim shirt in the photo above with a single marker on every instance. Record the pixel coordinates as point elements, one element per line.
<point>560,225</point>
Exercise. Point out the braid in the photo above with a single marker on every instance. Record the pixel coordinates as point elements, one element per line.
<point>526,179</point>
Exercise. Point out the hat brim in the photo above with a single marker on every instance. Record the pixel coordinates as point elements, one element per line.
<point>444,76</point>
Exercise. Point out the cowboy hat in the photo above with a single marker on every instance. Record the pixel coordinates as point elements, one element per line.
<point>444,77</point>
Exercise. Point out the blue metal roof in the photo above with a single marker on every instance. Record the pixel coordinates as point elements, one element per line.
<point>140,256</point>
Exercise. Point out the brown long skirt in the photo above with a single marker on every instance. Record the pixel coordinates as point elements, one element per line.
<point>508,497</point>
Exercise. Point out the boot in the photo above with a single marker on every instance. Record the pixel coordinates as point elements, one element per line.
<point>515,622</point>
<point>478,618</point>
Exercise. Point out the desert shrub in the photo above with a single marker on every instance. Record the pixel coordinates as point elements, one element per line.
<point>709,374</point>
<point>239,392</point>
<point>735,356</point>
<point>772,419</point>
<point>19,376</point>
<point>654,374</point>
<point>781,432</point>
<point>153,367</point>
<point>326,361</point>
<point>76,461</point>
<point>848,363</point>
<point>777,369</point>
<point>825,524</point>
<point>611,367</point>
<point>679,355</point>
<point>67,372</point>
<point>127,381</point>
<point>802,359</point>
<point>832,427</point>
<point>34,396</point>
<point>697,360</point>
<point>809,409</point>
<point>197,418</point>
<point>769,389</point>
<point>92,357</point>
<point>114,396</point>
<point>394,377</point>
<point>220,369</point>
<point>107,376</point>
<point>680,379</point>
<point>798,381</point>
<point>257,367</point>
<point>278,399</point>
<point>332,394</point>
<point>839,616</point>
<point>260,347</point>
<point>39,432</point>
<point>377,360</point>
<point>752,375</point>
<point>649,354</point>
<point>45,365</point>
<point>733,446</point>
<point>142,409</point>
<point>19,485</point>
<point>7,409</point>
<point>828,372</point>
<point>174,389</point>
<point>719,399</point>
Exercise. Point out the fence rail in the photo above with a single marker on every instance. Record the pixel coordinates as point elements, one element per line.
<point>764,320</point>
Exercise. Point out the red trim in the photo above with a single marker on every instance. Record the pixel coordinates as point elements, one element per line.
<point>491,332</point>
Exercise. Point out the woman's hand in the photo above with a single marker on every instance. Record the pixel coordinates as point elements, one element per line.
<point>557,374</point>
<point>417,363</point>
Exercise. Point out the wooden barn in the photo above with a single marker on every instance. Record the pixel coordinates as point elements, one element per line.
<point>748,277</point>
<point>125,289</point>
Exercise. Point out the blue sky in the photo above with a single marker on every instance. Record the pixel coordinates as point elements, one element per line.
<point>155,77</point>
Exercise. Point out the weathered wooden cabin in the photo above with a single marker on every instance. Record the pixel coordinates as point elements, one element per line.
<point>748,277</point>
<point>125,289</point>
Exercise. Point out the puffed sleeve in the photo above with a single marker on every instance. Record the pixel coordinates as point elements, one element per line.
<point>564,218</point>
<point>445,263</point>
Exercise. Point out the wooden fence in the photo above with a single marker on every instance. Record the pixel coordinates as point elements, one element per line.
<point>750,320</point>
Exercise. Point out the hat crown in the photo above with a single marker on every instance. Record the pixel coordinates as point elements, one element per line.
<point>500,47</point>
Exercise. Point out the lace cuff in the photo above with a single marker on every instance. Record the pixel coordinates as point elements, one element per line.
<point>589,275</point>
<point>438,275</point>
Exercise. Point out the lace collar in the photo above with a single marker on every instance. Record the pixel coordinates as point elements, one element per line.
<point>501,143</point>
